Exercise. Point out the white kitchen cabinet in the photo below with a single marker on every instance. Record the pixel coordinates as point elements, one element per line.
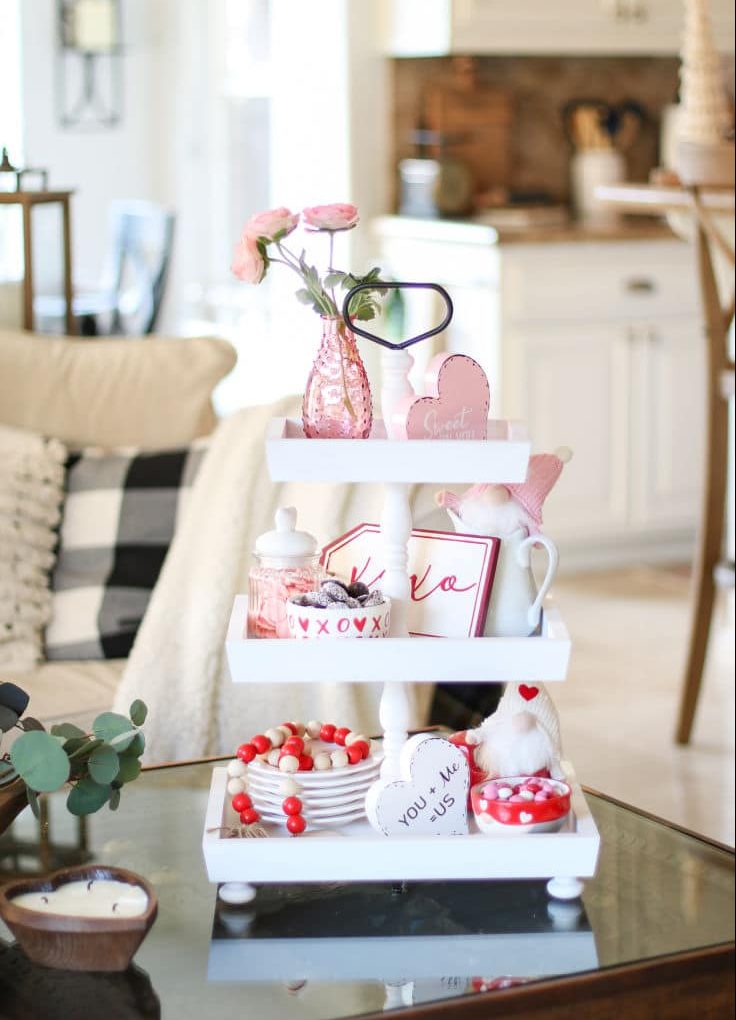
<point>668,422</point>
<point>598,346</point>
<point>538,27</point>
<point>575,391</point>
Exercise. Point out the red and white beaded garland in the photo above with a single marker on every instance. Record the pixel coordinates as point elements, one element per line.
<point>287,748</point>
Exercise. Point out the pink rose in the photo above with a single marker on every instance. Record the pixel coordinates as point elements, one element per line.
<point>248,263</point>
<point>272,222</point>
<point>338,216</point>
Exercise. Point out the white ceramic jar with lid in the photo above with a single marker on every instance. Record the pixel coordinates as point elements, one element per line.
<point>287,563</point>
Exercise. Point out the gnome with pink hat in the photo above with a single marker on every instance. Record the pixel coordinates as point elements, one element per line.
<point>513,513</point>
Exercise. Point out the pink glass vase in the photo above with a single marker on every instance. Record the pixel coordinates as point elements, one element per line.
<point>337,401</point>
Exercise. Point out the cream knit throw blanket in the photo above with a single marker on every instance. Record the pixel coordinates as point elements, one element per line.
<point>178,665</point>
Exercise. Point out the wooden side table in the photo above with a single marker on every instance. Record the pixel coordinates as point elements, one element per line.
<point>27,200</point>
<point>702,206</point>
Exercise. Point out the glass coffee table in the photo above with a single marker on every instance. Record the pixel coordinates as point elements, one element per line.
<point>653,935</point>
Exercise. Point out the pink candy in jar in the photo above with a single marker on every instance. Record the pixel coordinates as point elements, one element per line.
<point>287,564</point>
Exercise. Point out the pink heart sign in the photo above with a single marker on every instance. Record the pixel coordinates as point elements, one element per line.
<point>457,406</point>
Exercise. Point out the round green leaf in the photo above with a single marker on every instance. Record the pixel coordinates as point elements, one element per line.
<point>137,746</point>
<point>67,730</point>
<point>114,800</point>
<point>130,769</point>
<point>114,729</point>
<point>103,764</point>
<point>40,761</point>
<point>138,712</point>
<point>8,718</point>
<point>87,796</point>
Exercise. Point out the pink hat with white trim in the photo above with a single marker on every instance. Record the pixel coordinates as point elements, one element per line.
<point>544,470</point>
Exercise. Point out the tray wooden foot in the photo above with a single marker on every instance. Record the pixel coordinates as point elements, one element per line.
<point>565,888</point>
<point>237,893</point>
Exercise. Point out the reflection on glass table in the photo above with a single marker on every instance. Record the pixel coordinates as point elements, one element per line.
<point>422,942</point>
<point>360,949</point>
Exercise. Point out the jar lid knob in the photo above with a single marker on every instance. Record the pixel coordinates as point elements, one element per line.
<point>285,518</point>
<point>285,541</point>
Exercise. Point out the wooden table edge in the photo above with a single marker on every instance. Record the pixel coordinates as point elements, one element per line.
<point>679,985</point>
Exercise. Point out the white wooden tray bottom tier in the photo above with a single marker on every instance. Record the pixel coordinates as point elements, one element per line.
<point>503,457</point>
<point>356,852</point>
<point>542,658</point>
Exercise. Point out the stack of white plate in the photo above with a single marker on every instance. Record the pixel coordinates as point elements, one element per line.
<point>330,798</point>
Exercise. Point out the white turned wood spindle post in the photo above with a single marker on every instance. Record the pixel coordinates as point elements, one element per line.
<point>395,385</point>
<point>396,527</point>
<point>394,708</point>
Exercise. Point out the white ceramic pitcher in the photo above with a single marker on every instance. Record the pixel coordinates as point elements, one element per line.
<point>515,606</point>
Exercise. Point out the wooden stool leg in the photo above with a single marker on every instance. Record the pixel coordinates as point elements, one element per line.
<point>710,539</point>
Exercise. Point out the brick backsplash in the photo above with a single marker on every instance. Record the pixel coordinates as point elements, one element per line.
<point>539,87</point>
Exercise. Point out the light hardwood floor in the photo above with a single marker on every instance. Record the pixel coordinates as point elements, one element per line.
<point>619,704</point>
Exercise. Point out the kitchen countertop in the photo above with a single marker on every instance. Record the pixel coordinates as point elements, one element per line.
<point>470,231</point>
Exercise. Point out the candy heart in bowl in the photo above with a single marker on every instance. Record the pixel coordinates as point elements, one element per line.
<point>339,621</point>
<point>520,804</point>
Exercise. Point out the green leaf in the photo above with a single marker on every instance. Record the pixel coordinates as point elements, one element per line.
<point>304,296</point>
<point>7,772</point>
<point>40,761</point>
<point>33,801</point>
<point>67,730</point>
<point>103,764</point>
<point>138,712</point>
<point>114,729</point>
<point>29,723</point>
<point>334,278</point>
<point>87,796</point>
<point>136,748</point>
<point>130,769</point>
<point>115,800</point>
<point>8,718</point>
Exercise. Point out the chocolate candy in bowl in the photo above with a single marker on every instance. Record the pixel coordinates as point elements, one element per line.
<point>520,804</point>
<point>339,610</point>
<point>90,918</point>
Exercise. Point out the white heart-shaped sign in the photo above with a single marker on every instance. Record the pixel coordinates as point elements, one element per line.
<point>432,797</point>
<point>525,817</point>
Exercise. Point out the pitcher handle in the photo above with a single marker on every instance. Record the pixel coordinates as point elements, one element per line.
<point>523,556</point>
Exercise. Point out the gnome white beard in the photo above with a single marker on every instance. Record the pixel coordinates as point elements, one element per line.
<point>483,516</point>
<point>505,749</point>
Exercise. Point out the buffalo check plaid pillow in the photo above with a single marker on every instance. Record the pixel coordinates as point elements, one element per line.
<point>120,513</point>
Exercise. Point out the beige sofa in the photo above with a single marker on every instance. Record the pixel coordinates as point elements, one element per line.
<point>151,393</point>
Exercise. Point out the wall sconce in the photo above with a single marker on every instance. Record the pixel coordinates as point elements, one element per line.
<point>89,70</point>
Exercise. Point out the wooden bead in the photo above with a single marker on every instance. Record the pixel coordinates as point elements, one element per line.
<point>289,763</point>
<point>322,762</point>
<point>273,756</point>
<point>276,737</point>
<point>289,788</point>
<point>236,769</point>
<point>313,728</point>
<point>339,759</point>
<point>235,786</point>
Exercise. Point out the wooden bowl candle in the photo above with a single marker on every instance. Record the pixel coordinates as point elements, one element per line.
<point>90,918</point>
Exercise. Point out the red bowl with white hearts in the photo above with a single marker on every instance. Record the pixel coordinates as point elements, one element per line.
<point>342,622</point>
<point>519,804</point>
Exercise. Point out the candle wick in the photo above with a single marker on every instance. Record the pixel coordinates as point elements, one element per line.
<point>90,884</point>
<point>114,907</point>
<point>44,899</point>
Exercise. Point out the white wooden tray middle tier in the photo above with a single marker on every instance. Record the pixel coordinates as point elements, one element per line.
<point>503,457</point>
<point>544,657</point>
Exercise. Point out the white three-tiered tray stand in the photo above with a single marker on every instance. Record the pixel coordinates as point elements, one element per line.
<point>564,857</point>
